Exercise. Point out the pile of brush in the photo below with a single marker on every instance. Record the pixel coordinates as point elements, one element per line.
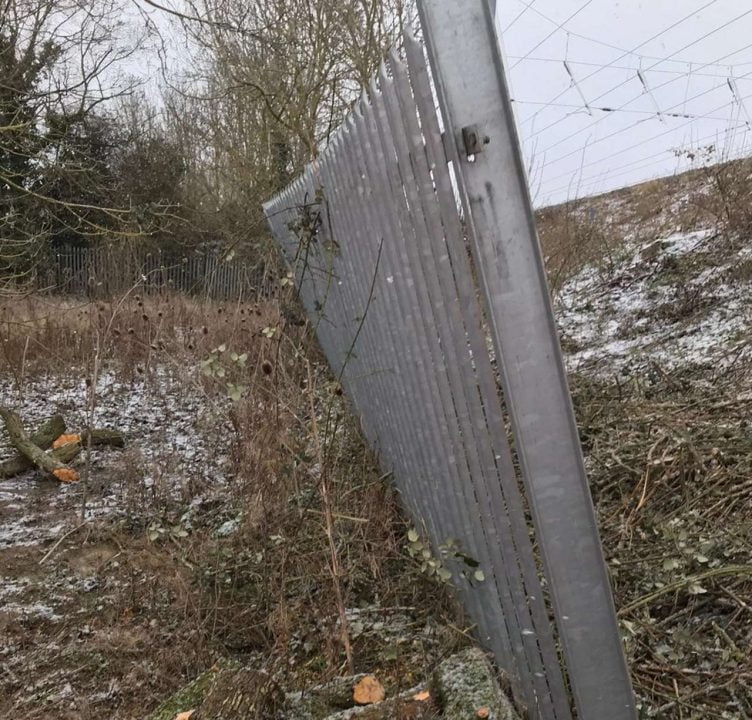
<point>669,454</point>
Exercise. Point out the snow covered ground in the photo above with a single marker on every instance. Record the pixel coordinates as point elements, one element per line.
<point>681,300</point>
<point>177,443</point>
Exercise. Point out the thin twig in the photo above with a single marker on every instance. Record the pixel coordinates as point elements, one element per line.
<point>57,544</point>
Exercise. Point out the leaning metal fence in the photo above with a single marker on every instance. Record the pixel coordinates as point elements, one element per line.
<point>437,318</point>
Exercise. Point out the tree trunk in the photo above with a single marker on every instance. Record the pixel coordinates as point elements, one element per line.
<point>99,438</point>
<point>42,438</point>
<point>104,438</point>
<point>22,442</point>
<point>55,462</point>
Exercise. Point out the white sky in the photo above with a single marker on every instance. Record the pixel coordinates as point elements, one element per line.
<point>572,154</point>
<point>605,42</point>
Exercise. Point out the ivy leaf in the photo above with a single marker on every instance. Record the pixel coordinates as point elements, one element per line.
<point>234,392</point>
<point>444,575</point>
<point>412,536</point>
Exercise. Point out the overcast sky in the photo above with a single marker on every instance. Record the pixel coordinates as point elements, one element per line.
<point>686,52</point>
<point>572,153</point>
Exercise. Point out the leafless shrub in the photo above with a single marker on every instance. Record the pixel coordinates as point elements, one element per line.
<point>572,237</point>
<point>724,195</point>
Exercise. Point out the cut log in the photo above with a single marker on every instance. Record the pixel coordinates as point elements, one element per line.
<point>104,438</point>
<point>42,438</point>
<point>22,442</point>
<point>47,435</point>
<point>99,438</point>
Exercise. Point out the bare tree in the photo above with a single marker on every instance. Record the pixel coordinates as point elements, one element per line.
<point>59,72</point>
<point>269,83</point>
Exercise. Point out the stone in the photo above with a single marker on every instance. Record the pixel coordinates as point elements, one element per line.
<point>187,698</point>
<point>466,688</point>
<point>463,687</point>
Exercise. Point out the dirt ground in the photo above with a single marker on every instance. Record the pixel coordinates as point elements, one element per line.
<point>94,615</point>
<point>206,537</point>
<point>203,538</point>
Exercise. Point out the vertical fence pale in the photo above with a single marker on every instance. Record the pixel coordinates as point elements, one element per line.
<point>436,318</point>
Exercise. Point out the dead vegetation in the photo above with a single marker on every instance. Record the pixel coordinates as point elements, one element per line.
<point>293,556</point>
<point>669,457</point>
<point>658,339</point>
<point>134,603</point>
<point>594,231</point>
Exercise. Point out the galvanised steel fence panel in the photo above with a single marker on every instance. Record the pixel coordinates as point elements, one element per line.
<point>415,308</point>
<point>105,271</point>
<point>503,238</point>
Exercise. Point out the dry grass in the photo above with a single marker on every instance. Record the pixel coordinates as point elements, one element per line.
<point>167,607</point>
<point>572,238</point>
<point>670,462</point>
<point>669,452</point>
<point>593,231</point>
<point>668,456</point>
<point>41,332</point>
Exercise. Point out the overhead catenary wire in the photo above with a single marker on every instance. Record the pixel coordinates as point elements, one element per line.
<point>674,67</point>
<point>728,23</point>
<point>553,32</point>
<point>682,73</point>
<point>605,109</point>
<point>611,172</point>
<point>630,127</point>
<point>519,16</point>
<point>625,53</point>
<point>639,144</point>
<point>645,162</point>
<point>738,97</point>
<point>641,164</point>
<point>658,87</point>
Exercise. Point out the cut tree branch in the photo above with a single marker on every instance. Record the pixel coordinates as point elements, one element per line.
<point>55,462</point>
<point>42,438</point>
<point>22,442</point>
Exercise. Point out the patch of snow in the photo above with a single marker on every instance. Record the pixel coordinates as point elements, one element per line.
<point>177,440</point>
<point>615,320</point>
<point>227,528</point>
<point>31,610</point>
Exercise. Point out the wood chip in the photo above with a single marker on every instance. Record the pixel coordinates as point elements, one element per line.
<point>185,715</point>
<point>422,696</point>
<point>368,691</point>
<point>66,475</point>
<point>65,440</point>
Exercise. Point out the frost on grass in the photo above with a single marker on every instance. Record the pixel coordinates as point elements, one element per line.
<point>177,446</point>
<point>676,301</point>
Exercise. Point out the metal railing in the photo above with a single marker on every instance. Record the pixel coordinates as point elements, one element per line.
<point>108,271</point>
<point>436,315</point>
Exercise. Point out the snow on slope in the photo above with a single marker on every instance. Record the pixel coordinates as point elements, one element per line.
<point>682,300</point>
